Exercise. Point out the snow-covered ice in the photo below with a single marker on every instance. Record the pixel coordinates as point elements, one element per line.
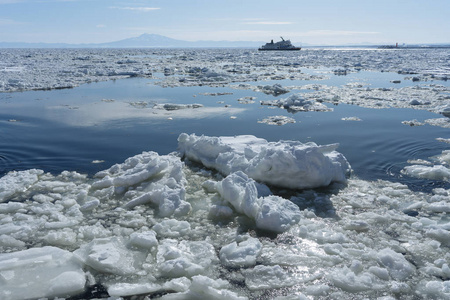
<point>242,254</point>
<point>288,164</point>
<point>270,213</point>
<point>160,178</point>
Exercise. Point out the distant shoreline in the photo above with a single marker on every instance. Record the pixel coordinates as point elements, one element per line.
<point>159,41</point>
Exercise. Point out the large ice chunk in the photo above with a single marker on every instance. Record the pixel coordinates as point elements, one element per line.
<point>40,272</point>
<point>288,164</point>
<point>160,180</point>
<point>108,255</point>
<point>17,182</point>
<point>271,213</point>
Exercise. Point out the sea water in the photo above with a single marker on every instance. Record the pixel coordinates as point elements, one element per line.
<point>107,122</point>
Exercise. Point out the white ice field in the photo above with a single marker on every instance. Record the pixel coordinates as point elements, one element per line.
<point>230,217</point>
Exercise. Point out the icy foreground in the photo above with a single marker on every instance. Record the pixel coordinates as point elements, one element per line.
<point>157,226</point>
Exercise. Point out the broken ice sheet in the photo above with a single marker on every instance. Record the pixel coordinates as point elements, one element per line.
<point>360,237</point>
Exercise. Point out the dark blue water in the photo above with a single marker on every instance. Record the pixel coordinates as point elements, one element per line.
<point>69,129</point>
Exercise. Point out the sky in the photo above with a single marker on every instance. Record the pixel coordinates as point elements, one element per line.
<point>318,22</point>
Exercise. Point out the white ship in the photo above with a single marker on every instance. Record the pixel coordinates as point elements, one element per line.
<point>281,45</point>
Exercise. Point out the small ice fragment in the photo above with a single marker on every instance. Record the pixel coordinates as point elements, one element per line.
<point>243,254</point>
<point>277,120</point>
<point>399,268</point>
<point>146,239</point>
<point>132,289</point>
<point>413,123</point>
<point>172,228</point>
<point>351,119</point>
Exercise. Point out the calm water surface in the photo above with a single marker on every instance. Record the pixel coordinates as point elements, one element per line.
<point>111,121</point>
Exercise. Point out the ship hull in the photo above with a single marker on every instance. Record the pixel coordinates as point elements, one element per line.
<point>291,49</point>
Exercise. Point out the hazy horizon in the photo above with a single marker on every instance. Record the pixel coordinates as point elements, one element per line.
<point>142,41</point>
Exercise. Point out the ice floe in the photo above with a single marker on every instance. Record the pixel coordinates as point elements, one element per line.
<point>443,140</point>
<point>276,89</point>
<point>287,164</point>
<point>442,122</point>
<point>247,100</point>
<point>173,106</point>
<point>296,103</point>
<point>351,119</point>
<point>418,97</point>
<point>437,169</point>
<point>40,272</point>
<point>413,123</point>
<point>277,120</point>
<point>435,172</point>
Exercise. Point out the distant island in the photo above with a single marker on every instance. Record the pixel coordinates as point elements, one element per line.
<point>147,40</point>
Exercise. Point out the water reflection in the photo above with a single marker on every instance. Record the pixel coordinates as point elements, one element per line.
<point>113,113</point>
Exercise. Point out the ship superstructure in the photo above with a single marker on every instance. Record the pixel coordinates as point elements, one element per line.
<point>281,45</point>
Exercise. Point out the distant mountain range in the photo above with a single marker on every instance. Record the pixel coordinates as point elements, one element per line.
<point>142,41</point>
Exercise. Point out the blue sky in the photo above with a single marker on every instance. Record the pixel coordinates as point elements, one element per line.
<point>311,22</point>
